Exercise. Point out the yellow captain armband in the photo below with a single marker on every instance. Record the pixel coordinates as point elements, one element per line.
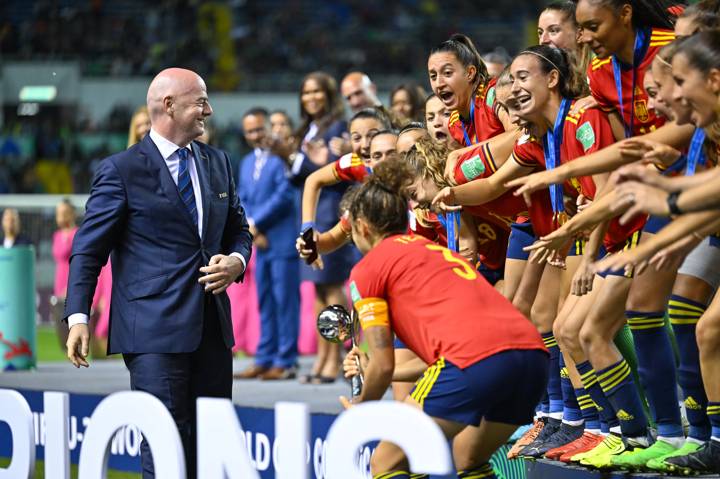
<point>372,312</point>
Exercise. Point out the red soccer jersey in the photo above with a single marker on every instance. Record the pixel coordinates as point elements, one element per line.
<point>476,164</point>
<point>603,88</point>
<point>436,303</point>
<point>350,168</point>
<point>484,124</point>
<point>583,133</point>
<point>426,224</point>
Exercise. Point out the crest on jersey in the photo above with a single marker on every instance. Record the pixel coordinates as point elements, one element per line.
<point>641,111</point>
<point>586,135</point>
<point>473,168</point>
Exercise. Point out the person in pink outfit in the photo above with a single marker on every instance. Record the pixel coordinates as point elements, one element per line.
<point>65,218</point>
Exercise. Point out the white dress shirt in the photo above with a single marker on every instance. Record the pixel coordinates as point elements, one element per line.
<point>168,150</point>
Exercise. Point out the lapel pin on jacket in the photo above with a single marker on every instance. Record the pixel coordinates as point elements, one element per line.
<point>223,195</point>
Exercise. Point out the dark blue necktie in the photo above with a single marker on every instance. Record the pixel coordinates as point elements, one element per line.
<point>185,185</point>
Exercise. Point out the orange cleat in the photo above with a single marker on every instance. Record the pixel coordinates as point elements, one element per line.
<point>526,439</point>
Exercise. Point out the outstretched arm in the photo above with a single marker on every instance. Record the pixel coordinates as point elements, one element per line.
<point>605,160</point>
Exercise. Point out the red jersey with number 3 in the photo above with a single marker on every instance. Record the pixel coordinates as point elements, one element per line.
<point>351,168</point>
<point>436,303</point>
<point>485,123</point>
<point>604,90</point>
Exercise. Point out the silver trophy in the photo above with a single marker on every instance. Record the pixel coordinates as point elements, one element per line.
<point>336,325</point>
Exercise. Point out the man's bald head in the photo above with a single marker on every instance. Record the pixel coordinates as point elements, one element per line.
<point>359,91</point>
<point>178,105</point>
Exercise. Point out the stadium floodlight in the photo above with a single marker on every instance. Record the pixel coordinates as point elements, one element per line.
<point>38,93</point>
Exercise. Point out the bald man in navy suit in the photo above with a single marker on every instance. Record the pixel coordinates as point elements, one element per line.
<point>167,211</point>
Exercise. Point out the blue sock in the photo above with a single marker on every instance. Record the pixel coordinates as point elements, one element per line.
<point>571,408</point>
<point>656,368</point>
<point>592,387</point>
<point>713,413</point>
<point>684,315</point>
<point>604,428</point>
<point>554,389</point>
<point>588,409</point>
<point>544,406</point>
<point>483,472</point>
<point>617,383</point>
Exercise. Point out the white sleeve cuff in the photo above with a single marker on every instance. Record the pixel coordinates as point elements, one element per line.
<point>242,258</point>
<point>77,318</point>
<point>297,164</point>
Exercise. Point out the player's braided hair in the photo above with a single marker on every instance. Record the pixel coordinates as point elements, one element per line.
<point>464,50</point>
<point>570,83</point>
<point>382,199</point>
<point>648,13</point>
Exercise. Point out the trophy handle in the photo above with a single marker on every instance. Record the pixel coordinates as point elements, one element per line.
<point>356,383</point>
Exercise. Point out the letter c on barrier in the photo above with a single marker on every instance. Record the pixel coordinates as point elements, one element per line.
<point>14,411</point>
<point>150,416</point>
<point>413,431</point>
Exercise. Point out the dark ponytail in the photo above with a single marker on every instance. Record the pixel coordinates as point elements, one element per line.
<point>648,13</point>
<point>464,50</point>
<point>382,200</point>
<point>570,82</point>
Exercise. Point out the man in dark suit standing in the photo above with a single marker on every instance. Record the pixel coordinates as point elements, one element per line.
<point>168,212</point>
<point>273,208</point>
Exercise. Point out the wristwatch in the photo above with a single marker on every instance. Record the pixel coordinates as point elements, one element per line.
<point>672,203</point>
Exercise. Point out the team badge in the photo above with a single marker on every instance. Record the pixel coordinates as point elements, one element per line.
<point>641,111</point>
<point>473,168</point>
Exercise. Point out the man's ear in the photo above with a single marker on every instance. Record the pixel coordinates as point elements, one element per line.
<point>168,105</point>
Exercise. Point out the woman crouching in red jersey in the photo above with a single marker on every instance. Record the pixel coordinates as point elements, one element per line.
<point>476,343</point>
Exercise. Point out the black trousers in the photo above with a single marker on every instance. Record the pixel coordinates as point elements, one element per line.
<point>178,379</point>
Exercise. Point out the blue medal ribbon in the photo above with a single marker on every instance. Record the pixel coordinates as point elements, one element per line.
<point>451,222</point>
<point>696,155</point>
<point>469,142</point>
<point>638,54</point>
<point>551,147</point>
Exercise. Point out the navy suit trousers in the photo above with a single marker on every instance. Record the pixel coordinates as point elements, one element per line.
<point>178,379</point>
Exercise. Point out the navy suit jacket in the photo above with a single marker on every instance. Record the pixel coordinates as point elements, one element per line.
<point>327,213</point>
<point>135,212</point>
<point>272,202</point>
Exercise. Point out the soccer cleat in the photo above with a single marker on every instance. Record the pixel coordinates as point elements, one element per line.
<point>587,442</point>
<point>527,438</point>
<point>601,456</point>
<point>638,458</point>
<point>564,435</point>
<point>705,460</point>
<point>659,464</point>
<point>551,427</point>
